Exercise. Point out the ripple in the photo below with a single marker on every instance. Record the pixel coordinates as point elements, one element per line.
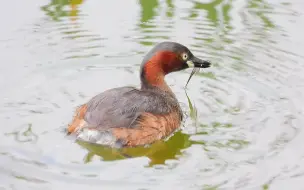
<point>244,115</point>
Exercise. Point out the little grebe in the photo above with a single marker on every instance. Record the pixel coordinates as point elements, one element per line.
<point>128,117</point>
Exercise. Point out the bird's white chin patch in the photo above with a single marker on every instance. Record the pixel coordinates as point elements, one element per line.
<point>190,64</point>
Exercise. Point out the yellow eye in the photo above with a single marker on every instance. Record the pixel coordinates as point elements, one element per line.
<point>185,56</point>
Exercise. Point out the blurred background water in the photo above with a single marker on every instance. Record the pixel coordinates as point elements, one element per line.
<point>244,126</point>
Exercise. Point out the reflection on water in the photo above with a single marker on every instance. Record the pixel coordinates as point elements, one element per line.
<point>147,26</point>
<point>158,153</point>
<point>57,9</point>
<point>243,115</point>
<point>78,39</point>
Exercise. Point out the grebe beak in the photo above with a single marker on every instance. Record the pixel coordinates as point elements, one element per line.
<point>195,62</point>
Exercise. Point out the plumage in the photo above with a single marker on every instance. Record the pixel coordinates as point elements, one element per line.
<point>127,116</point>
<point>120,107</point>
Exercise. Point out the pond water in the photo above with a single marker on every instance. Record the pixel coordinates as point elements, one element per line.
<point>244,126</point>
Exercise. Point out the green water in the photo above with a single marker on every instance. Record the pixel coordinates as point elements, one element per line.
<point>244,121</point>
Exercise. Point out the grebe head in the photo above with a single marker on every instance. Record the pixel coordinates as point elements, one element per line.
<point>164,58</point>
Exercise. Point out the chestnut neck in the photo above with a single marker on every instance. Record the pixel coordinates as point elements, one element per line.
<point>155,67</point>
<point>153,76</point>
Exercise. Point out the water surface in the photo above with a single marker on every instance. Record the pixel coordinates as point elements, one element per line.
<point>244,115</point>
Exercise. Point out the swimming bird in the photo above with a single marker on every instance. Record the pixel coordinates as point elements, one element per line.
<point>128,116</point>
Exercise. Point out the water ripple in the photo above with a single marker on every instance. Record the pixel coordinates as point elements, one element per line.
<point>244,115</point>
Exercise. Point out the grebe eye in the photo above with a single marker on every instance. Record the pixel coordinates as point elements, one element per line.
<point>185,56</point>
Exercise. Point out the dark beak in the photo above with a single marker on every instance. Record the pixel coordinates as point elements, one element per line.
<point>198,63</point>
